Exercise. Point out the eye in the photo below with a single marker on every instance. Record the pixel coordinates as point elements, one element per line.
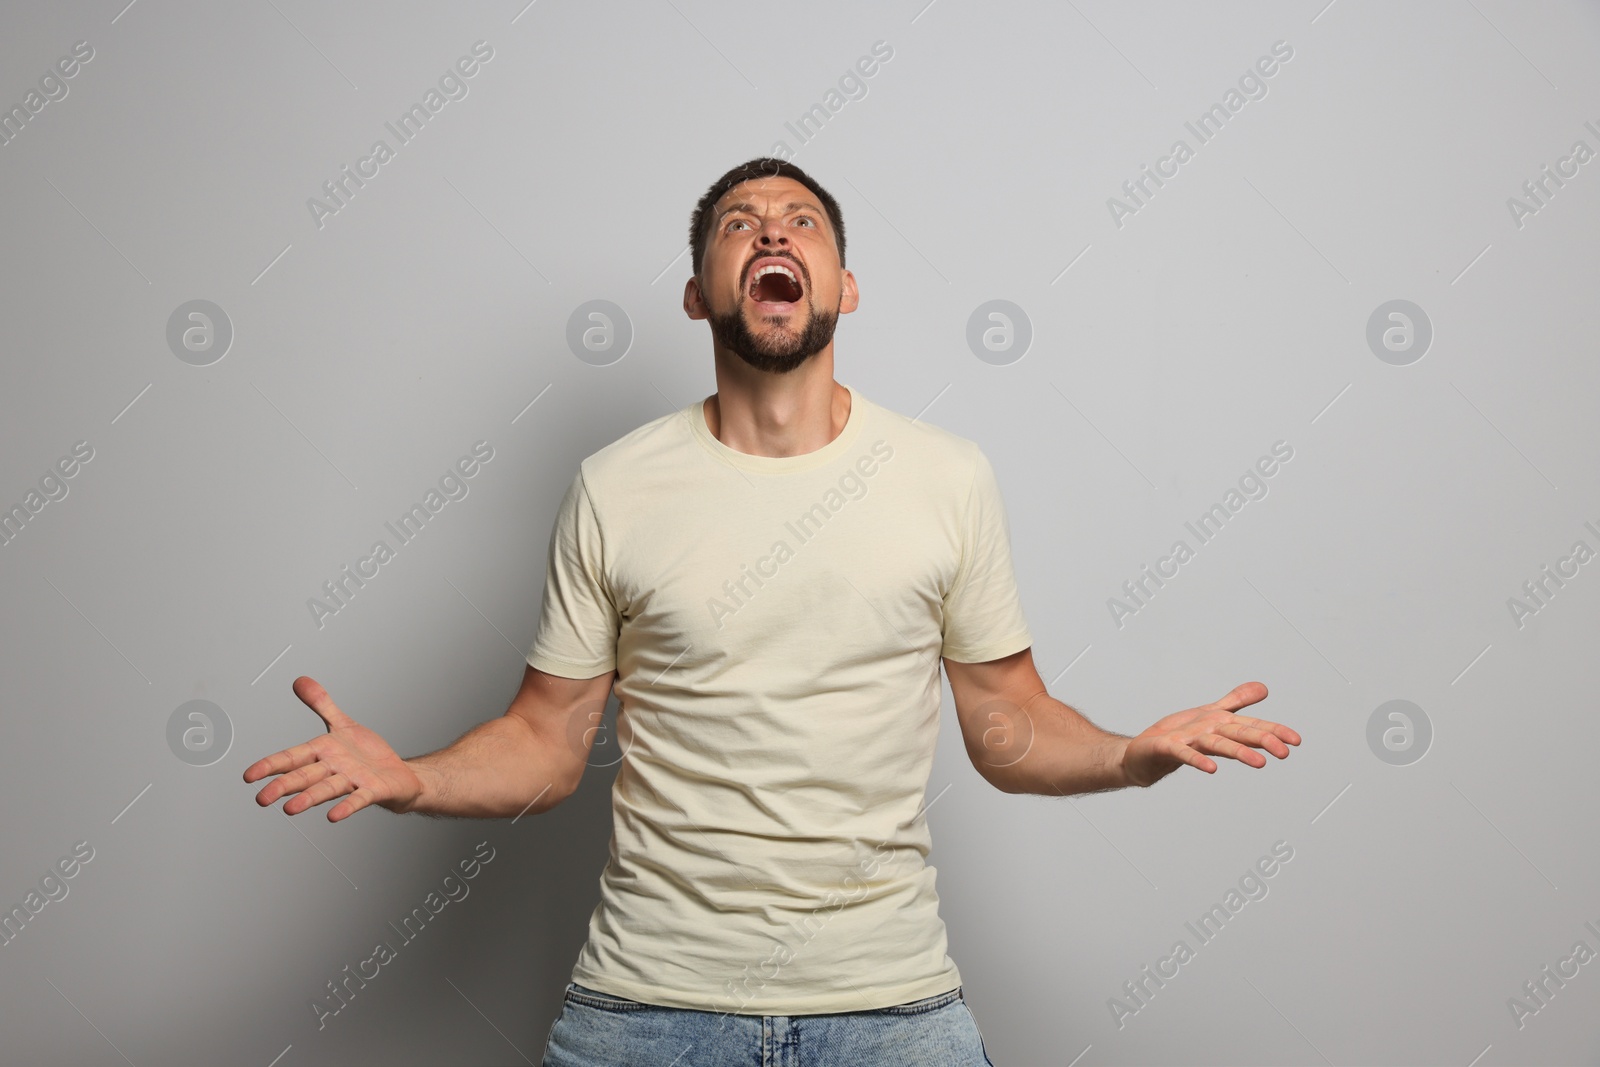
<point>737,222</point>
<point>808,218</point>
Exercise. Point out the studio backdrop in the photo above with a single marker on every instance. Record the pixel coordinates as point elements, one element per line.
<point>1275,320</point>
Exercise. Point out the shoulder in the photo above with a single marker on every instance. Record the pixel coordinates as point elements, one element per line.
<point>956,458</point>
<point>637,456</point>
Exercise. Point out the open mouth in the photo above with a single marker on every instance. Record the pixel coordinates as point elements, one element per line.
<point>775,285</point>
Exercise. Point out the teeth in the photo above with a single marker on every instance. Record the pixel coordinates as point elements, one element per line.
<point>772,268</point>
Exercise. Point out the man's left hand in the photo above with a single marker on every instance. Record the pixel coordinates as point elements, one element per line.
<point>1186,737</point>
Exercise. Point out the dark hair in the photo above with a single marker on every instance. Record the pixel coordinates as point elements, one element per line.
<point>765,167</point>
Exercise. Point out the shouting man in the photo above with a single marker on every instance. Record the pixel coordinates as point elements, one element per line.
<point>770,578</point>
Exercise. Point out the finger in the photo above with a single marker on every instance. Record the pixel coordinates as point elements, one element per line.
<point>311,693</point>
<point>1180,751</point>
<point>352,804</point>
<point>1284,732</point>
<point>278,762</point>
<point>1254,735</point>
<point>335,785</point>
<point>292,782</point>
<point>1226,746</point>
<point>1242,695</point>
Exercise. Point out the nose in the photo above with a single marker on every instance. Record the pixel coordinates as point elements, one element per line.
<point>772,234</point>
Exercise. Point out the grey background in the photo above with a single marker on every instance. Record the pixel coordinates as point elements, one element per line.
<point>1228,313</point>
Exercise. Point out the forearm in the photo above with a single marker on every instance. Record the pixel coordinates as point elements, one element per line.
<point>498,769</point>
<point>1064,753</point>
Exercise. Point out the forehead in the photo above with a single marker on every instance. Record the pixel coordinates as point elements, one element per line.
<point>767,194</point>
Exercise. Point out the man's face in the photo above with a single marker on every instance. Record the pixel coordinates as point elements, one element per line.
<point>770,281</point>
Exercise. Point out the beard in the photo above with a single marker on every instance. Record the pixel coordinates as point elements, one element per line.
<point>781,349</point>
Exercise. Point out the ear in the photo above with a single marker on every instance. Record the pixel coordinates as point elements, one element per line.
<point>694,302</point>
<point>849,296</point>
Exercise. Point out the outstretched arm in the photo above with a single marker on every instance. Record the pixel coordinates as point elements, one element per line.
<point>1022,740</point>
<point>529,759</point>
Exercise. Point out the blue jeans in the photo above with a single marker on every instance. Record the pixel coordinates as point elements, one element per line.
<point>600,1030</point>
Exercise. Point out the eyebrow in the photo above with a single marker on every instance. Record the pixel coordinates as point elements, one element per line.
<point>748,208</point>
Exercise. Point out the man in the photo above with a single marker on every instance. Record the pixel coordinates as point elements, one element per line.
<point>771,577</point>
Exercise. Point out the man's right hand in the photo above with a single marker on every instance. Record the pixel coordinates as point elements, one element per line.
<point>348,761</point>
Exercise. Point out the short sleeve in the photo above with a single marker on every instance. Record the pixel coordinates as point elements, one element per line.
<point>983,617</point>
<point>578,620</point>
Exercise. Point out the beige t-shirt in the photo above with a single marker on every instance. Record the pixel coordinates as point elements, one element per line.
<point>776,624</point>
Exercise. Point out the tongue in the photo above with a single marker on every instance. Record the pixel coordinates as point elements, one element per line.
<point>775,287</point>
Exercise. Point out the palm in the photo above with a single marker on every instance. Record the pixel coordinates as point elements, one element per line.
<point>1187,736</point>
<point>350,760</point>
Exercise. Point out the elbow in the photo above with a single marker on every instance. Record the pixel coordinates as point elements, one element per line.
<point>536,800</point>
<point>997,777</point>
<point>556,792</point>
<point>568,778</point>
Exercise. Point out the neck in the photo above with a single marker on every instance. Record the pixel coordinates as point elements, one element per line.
<point>763,414</point>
